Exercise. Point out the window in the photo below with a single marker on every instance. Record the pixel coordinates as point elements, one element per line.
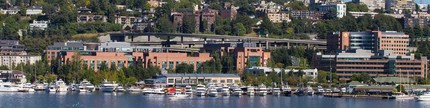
<point>170,81</point>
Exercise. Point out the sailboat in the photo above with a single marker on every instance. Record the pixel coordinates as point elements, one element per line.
<point>400,95</point>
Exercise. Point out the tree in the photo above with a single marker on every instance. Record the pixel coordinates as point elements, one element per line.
<point>164,25</point>
<point>331,14</point>
<point>184,68</point>
<point>239,29</point>
<point>189,24</point>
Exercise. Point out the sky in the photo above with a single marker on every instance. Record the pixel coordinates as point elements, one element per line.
<point>416,1</point>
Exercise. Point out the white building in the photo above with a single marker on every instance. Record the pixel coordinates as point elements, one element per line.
<point>34,10</point>
<point>11,11</point>
<point>339,7</point>
<point>38,25</point>
<point>14,60</point>
<point>372,4</point>
<point>359,14</point>
<point>267,70</point>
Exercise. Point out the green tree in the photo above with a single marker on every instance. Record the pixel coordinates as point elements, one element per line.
<point>189,24</point>
<point>184,68</point>
<point>239,29</point>
<point>164,25</point>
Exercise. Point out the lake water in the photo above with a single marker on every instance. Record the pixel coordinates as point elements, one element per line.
<point>125,100</point>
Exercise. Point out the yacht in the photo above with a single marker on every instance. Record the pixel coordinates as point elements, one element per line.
<point>201,90</point>
<point>60,86</point>
<point>212,92</point>
<point>50,88</point>
<point>8,87</point>
<point>319,91</point>
<point>276,91</point>
<point>286,90</point>
<point>424,97</point>
<point>134,89</point>
<point>176,94</point>
<point>158,91</point>
<point>251,91</point>
<point>225,90</point>
<point>40,87</point>
<point>119,89</point>
<point>147,91</point>
<point>262,90</point>
<point>402,96</point>
<point>107,86</point>
<point>237,91</point>
<point>188,90</point>
<point>86,86</point>
<point>27,87</point>
<point>310,91</point>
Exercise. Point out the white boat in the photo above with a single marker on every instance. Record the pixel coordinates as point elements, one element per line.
<point>212,92</point>
<point>107,86</point>
<point>86,86</point>
<point>50,88</point>
<point>159,91</point>
<point>262,90</point>
<point>402,96</point>
<point>251,91</point>
<point>310,91</point>
<point>286,90</point>
<point>147,91</point>
<point>8,87</point>
<point>201,90</point>
<point>119,89</point>
<point>60,86</point>
<point>39,87</point>
<point>188,90</point>
<point>225,90</point>
<point>134,89</point>
<point>424,97</point>
<point>27,87</point>
<point>237,91</point>
<point>276,91</point>
<point>319,91</point>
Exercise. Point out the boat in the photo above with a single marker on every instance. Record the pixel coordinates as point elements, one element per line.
<point>60,86</point>
<point>225,90</point>
<point>50,88</point>
<point>402,96</point>
<point>236,90</point>
<point>262,90</point>
<point>107,86</point>
<point>134,89</point>
<point>40,87</point>
<point>188,90</point>
<point>251,91</point>
<point>276,91</point>
<point>159,91</point>
<point>310,91</point>
<point>286,90</point>
<point>424,97</point>
<point>174,93</point>
<point>119,89</point>
<point>147,91</point>
<point>8,87</point>
<point>201,90</point>
<point>86,86</point>
<point>319,91</point>
<point>27,87</point>
<point>212,92</point>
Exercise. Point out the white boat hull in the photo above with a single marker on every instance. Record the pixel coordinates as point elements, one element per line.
<point>421,98</point>
<point>213,94</point>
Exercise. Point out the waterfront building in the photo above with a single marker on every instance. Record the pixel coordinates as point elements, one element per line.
<point>376,40</point>
<point>171,60</point>
<point>192,79</point>
<point>377,64</point>
<point>245,53</point>
<point>340,8</point>
<point>313,73</point>
<point>14,76</point>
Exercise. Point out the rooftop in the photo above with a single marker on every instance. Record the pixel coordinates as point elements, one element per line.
<point>200,75</point>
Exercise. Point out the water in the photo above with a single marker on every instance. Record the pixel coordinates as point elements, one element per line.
<point>124,100</point>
